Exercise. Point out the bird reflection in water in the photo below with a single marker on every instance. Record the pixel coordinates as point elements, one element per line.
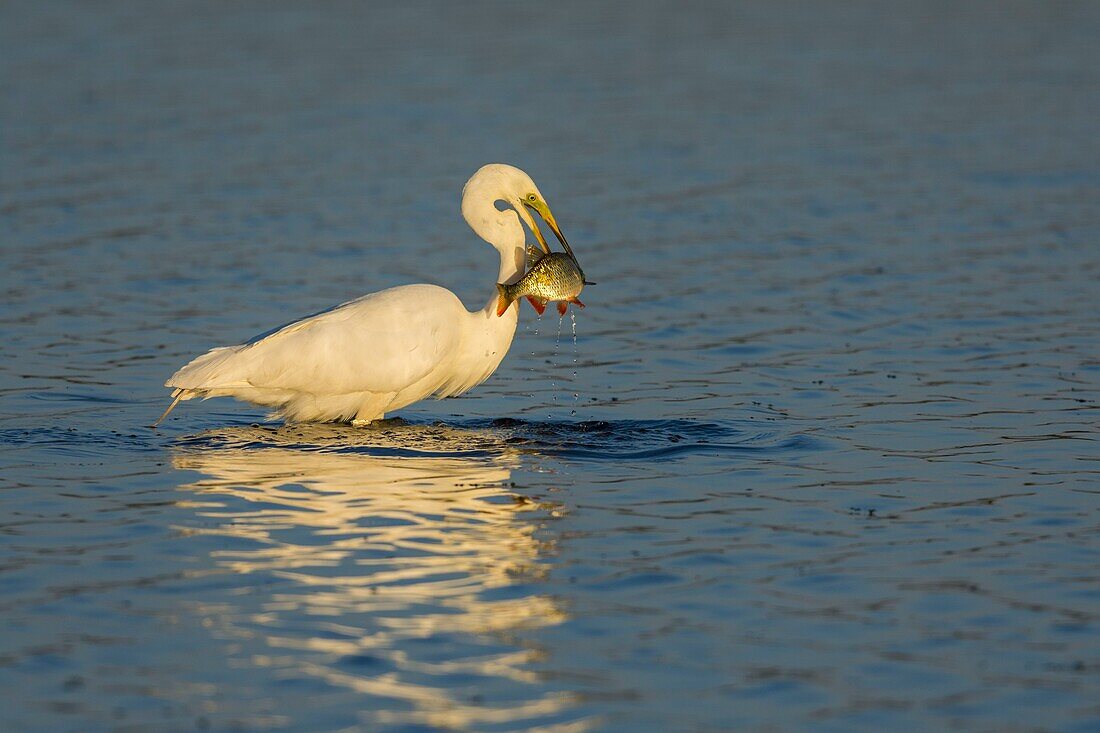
<point>400,577</point>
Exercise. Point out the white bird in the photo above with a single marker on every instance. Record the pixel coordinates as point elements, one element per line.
<point>383,351</point>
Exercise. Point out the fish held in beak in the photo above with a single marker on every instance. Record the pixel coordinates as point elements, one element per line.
<point>555,276</point>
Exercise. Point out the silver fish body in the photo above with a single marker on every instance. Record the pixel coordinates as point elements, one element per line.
<point>555,276</point>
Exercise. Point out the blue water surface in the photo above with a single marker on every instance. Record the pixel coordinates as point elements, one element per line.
<point>823,456</point>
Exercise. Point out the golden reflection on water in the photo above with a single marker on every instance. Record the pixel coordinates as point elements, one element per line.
<point>377,554</point>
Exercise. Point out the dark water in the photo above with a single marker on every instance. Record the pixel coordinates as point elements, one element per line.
<point>828,461</point>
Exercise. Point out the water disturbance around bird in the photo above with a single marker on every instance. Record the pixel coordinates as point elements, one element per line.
<point>832,466</point>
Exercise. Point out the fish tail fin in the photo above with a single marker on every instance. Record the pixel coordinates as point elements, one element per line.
<point>503,299</point>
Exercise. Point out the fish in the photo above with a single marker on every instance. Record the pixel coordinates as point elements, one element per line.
<point>553,276</point>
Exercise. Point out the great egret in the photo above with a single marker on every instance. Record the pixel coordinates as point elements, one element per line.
<point>385,350</point>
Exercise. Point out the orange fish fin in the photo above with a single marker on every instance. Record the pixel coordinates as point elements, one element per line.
<point>562,307</point>
<point>574,300</point>
<point>539,307</point>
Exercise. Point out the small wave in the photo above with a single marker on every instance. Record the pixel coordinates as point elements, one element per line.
<point>47,396</point>
<point>78,442</point>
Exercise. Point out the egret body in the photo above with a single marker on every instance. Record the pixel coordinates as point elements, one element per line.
<point>383,351</point>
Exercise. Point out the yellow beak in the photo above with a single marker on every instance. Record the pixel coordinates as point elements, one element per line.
<point>540,208</point>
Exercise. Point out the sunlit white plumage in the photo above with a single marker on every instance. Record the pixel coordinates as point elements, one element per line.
<point>385,350</point>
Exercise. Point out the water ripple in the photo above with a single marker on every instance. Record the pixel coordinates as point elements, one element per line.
<point>832,464</point>
<point>597,440</point>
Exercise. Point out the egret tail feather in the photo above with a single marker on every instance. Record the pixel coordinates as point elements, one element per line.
<point>179,396</point>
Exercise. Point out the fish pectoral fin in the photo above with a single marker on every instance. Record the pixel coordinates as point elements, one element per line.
<point>575,300</point>
<point>538,305</point>
<point>562,307</point>
<point>534,254</point>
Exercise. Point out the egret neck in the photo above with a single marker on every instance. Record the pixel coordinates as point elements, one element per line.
<point>502,229</point>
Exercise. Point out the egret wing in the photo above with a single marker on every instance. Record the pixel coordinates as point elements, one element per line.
<point>381,342</point>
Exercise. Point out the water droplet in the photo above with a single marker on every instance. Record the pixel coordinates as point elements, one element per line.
<point>576,395</point>
<point>527,328</point>
<point>554,364</point>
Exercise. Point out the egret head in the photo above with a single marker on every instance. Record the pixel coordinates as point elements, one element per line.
<point>501,182</point>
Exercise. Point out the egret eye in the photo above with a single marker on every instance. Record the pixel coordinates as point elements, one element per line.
<point>532,198</point>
